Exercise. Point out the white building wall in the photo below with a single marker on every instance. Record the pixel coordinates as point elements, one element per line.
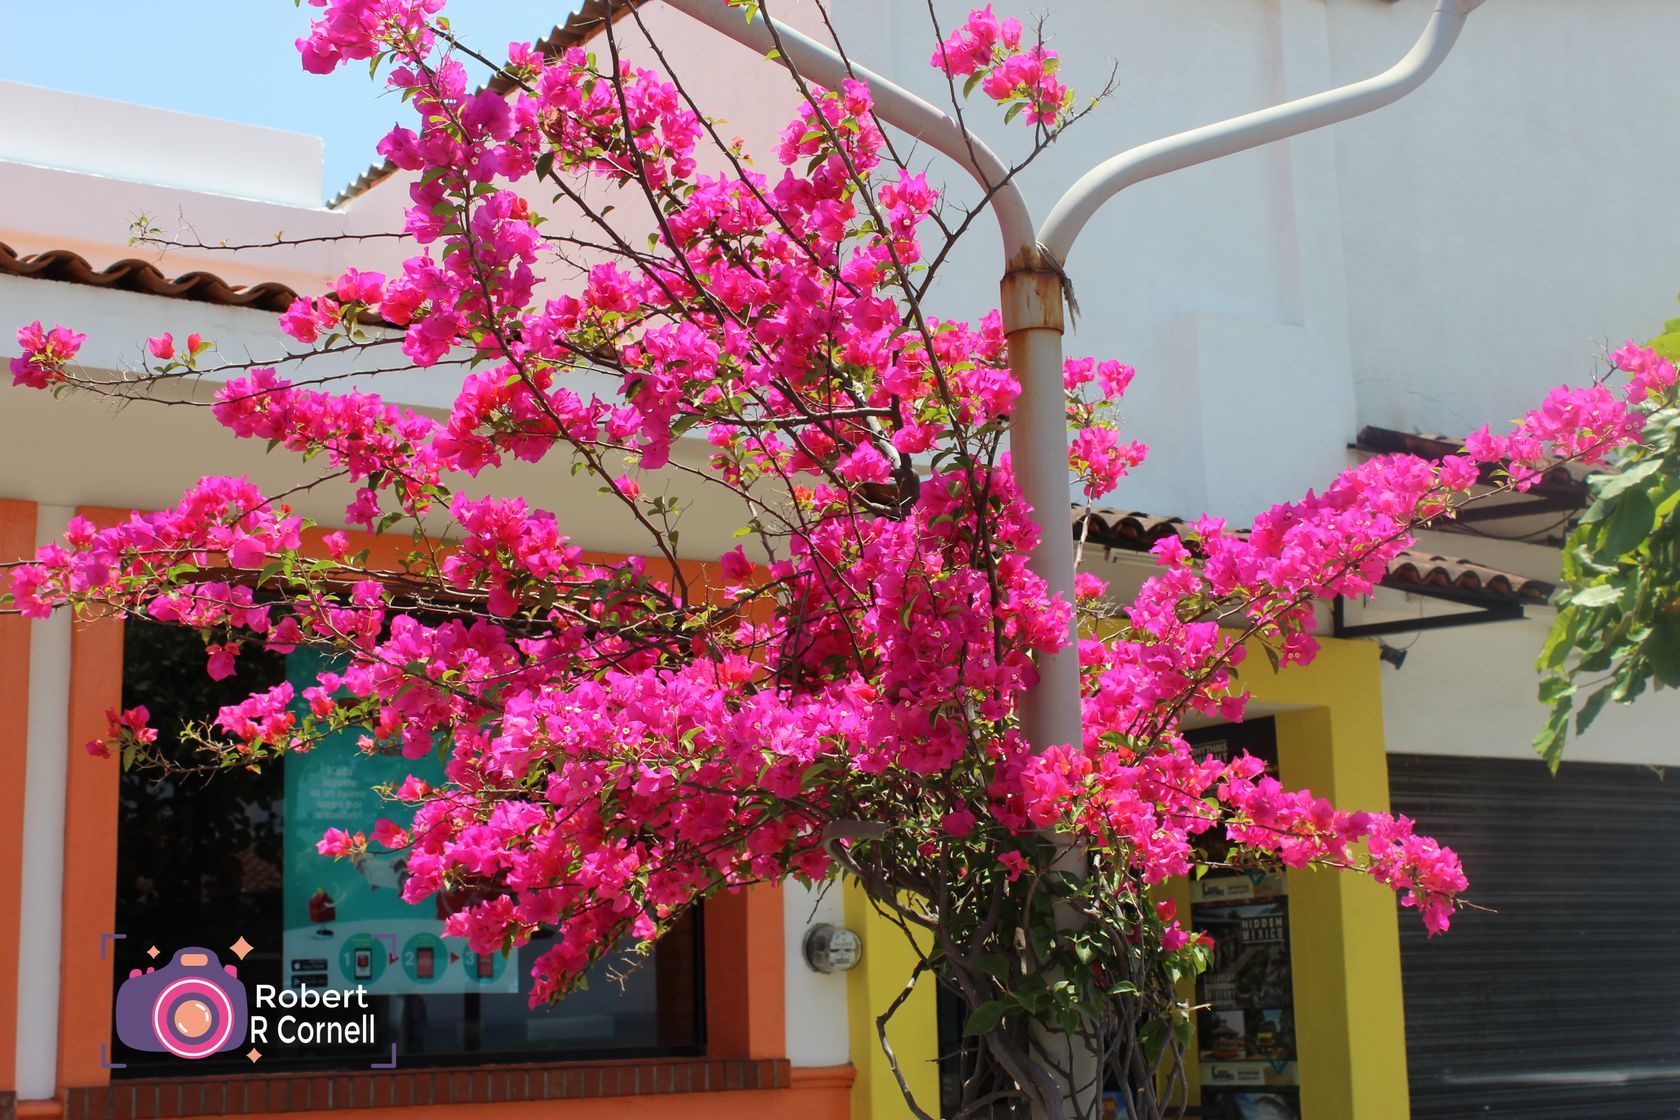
<point>1434,266</point>
<point>1221,284</point>
<point>1489,231</point>
<point>51,128</point>
<point>1515,213</point>
<point>1471,693</point>
<point>46,772</point>
<point>817,1027</point>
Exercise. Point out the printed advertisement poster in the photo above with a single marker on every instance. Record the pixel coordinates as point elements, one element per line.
<point>1250,967</point>
<point>1245,1036</point>
<point>1243,886</point>
<point>345,921</point>
<point>1254,1034</point>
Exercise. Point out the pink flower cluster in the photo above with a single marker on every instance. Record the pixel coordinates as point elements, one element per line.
<point>353,29</point>
<point>125,727</point>
<point>1651,372</point>
<point>162,348</point>
<point>44,356</point>
<point>380,445</point>
<point>988,50</point>
<point>1587,424</point>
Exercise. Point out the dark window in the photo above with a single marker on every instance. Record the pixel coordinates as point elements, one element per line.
<point>204,863</point>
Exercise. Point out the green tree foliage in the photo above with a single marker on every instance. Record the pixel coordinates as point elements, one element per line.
<point>1618,625</point>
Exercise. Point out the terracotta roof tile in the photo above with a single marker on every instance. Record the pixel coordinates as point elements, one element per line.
<point>1411,570</point>
<point>144,277</point>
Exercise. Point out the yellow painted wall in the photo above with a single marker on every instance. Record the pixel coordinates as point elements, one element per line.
<point>888,960</point>
<point>1344,932</point>
<point>1344,929</point>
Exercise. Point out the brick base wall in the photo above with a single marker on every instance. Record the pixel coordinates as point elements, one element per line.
<point>255,1094</point>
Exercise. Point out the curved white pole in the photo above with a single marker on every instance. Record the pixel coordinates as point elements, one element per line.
<point>1279,122</point>
<point>893,104</point>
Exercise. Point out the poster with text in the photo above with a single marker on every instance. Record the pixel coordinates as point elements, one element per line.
<point>1250,966</point>
<point>346,923</point>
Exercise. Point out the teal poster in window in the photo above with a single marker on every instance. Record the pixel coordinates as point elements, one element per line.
<point>346,923</point>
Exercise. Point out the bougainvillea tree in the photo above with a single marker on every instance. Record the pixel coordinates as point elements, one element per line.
<point>838,695</point>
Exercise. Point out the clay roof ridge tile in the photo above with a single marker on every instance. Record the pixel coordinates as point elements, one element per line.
<point>133,275</point>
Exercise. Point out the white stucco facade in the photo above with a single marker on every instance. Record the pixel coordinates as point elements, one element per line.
<point>1432,267</point>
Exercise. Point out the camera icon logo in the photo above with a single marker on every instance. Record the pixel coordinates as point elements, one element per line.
<point>192,1007</point>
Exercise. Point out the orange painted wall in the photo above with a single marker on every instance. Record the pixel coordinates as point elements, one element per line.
<point>17,541</point>
<point>90,845</point>
<point>746,1012</point>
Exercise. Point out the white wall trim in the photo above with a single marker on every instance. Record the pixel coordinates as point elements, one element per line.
<point>817,1028</point>
<point>42,894</point>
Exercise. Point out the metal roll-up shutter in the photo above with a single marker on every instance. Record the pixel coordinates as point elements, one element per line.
<point>1566,1002</point>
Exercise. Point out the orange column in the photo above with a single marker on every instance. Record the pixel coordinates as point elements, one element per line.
<point>17,540</point>
<point>746,988</point>
<point>90,847</point>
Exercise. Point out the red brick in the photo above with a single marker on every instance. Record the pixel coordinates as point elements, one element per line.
<point>340,1093</point>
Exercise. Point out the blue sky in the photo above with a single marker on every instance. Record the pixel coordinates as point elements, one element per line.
<point>234,59</point>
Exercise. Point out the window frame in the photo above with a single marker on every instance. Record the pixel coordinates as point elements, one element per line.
<point>742,1004</point>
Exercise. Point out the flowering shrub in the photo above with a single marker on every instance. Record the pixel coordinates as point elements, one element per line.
<point>625,739</point>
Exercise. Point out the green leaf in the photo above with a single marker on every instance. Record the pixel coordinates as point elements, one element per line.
<point>1611,485</point>
<point>1589,710</point>
<point>1666,507</point>
<point>1561,640</point>
<point>1598,595</point>
<point>1549,743</point>
<point>1663,650</point>
<point>1630,526</point>
<point>985,1018</point>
